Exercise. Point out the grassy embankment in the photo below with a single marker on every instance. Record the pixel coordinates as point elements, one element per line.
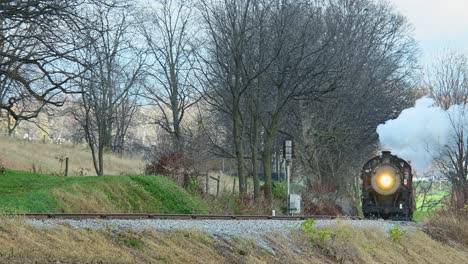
<point>22,192</point>
<point>30,192</point>
<point>48,158</point>
<point>22,243</point>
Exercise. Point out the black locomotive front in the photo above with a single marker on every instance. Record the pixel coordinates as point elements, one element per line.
<point>387,188</point>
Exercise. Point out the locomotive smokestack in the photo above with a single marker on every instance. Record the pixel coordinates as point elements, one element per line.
<point>386,156</point>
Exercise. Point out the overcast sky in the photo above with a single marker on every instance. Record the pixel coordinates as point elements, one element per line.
<point>438,24</point>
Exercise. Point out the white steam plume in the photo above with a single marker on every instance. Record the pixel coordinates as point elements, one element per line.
<point>419,132</point>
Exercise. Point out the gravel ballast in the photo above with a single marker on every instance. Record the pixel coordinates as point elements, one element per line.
<point>246,228</point>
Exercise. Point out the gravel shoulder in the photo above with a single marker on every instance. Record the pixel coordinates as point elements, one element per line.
<point>241,228</point>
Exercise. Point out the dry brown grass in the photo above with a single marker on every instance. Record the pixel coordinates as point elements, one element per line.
<point>22,243</point>
<point>343,244</point>
<point>449,227</point>
<point>227,183</point>
<point>46,158</point>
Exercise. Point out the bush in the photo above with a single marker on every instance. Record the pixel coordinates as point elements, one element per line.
<point>308,226</point>
<point>171,165</point>
<point>193,185</point>
<point>280,190</point>
<point>231,203</point>
<point>319,205</point>
<point>396,234</point>
<point>316,235</point>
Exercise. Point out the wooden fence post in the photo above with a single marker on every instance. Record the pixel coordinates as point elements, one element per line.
<point>217,185</point>
<point>234,186</point>
<point>207,183</point>
<point>66,166</point>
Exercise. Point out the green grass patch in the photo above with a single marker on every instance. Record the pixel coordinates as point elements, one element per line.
<point>435,198</point>
<point>24,192</point>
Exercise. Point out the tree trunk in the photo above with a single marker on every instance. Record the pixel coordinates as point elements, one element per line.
<point>175,109</point>
<point>11,125</point>
<point>270,134</point>
<point>95,159</point>
<point>103,142</point>
<point>100,171</point>
<point>268,192</point>
<point>254,152</point>
<point>239,151</point>
<point>177,133</point>
<point>256,181</point>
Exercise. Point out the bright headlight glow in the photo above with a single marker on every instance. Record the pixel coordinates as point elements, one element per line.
<point>385,181</point>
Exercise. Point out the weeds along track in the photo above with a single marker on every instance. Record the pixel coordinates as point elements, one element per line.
<point>176,217</point>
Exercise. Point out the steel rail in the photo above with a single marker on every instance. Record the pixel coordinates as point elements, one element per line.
<point>173,216</point>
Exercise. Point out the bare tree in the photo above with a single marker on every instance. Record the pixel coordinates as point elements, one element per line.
<point>226,79</point>
<point>260,61</point>
<point>169,31</point>
<point>453,159</point>
<point>448,84</point>
<point>377,56</point>
<point>301,61</point>
<point>37,40</point>
<point>448,79</point>
<point>124,115</point>
<point>424,191</point>
<point>111,79</point>
<point>297,69</point>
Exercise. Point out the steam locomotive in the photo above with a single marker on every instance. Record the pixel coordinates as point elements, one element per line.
<point>387,190</point>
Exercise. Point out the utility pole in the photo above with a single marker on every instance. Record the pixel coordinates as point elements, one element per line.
<point>288,153</point>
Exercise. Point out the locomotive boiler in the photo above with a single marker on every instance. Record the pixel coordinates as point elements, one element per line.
<point>387,190</point>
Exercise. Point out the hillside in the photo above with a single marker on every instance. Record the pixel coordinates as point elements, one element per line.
<point>49,158</point>
<point>25,192</point>
<point>22,242</point>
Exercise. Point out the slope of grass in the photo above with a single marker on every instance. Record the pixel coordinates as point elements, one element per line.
<point>23,243</point>
<point>341,243</point>
<point>22,192</point>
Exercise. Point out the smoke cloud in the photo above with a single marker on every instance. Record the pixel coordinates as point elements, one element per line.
<point>420,132</point>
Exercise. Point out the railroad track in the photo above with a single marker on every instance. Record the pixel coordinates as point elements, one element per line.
<point>175,216</point>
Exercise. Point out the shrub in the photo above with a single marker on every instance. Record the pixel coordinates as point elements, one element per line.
<point>316,235</point>
<point>280,190</point>
<point>171,165</point>
<point>308,226</point>
<point>396,234</point>
<point>319,205</point>
<point>193,185</point>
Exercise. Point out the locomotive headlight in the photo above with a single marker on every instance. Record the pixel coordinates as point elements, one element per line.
<point>386,180</point>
